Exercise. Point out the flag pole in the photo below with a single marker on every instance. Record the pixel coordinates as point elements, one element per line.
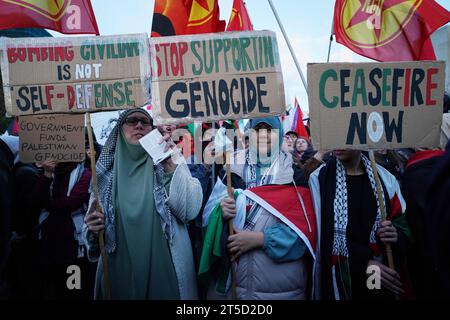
<point>213,164</point>
<point>289,45</point>
<point>388,247</point>
<point>329,45</point>
<point>382,207</point>
<point>230,222</point>
<point>101,238</point>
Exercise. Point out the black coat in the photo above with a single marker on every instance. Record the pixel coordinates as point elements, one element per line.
<point>415,183</point>
<point>6,205</point>
<point>437,226</point>
<point>360,222</point>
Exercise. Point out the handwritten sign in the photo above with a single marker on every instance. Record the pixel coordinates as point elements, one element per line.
<point>76,74</point>
<point>216,76</point>
<point>59,137</point>
<point>376,105</point>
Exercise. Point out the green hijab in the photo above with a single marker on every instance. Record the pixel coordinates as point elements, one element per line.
<point>141,267</point>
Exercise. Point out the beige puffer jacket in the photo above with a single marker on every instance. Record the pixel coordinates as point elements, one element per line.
<point>258,277</point>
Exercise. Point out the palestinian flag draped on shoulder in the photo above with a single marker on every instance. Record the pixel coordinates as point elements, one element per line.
<point>292,205</point>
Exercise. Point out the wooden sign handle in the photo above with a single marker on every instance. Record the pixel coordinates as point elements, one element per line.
<point>230,223</point>
<point>101,235</point>
<point>388,247</point>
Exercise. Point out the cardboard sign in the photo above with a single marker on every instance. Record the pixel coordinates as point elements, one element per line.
<point>76,74</point>
<point>376,105</point>
<point>216,76</point>
<point>59,137</point>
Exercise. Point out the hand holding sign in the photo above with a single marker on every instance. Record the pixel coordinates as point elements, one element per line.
<point>167,142</point>
<point>49,166</point>
<point>222,144</point>
<point>156,146</point>
<point>95,220</point>
<point>168,164</point>
<point>387,232</point>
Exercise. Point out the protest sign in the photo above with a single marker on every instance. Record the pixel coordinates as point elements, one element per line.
<point>216,76</point>
<point>376,105</point>
<point>59,137</point>
<point>150,143</point>
<point>76,74</point>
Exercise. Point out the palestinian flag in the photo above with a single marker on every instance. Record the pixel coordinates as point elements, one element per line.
<point>213,256</point>
<point>297,124</point>
<point>292,205</point>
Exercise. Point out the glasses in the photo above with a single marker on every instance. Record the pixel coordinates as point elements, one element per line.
<point>133,121</point>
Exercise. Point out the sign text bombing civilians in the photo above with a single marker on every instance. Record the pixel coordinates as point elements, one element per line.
<point>75,74</point>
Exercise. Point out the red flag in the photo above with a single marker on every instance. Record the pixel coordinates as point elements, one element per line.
<point>292,205</point>
<point>298,125</point>
<point>170,17</point>
<point>65,16</point>
<point>239,20</point>
<point>389,30</point>
<point>204,17</point>
<point>180,17</point>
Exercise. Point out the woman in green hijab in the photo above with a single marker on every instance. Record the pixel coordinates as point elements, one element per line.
<point>145,211</point>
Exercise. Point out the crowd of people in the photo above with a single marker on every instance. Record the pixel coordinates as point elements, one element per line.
<point>154,220</point>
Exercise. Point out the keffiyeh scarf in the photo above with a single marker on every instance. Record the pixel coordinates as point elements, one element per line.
<point>341,208</point>
<point>104,167</point>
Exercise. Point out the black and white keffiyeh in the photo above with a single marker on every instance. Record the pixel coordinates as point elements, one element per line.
<point>341,208</point>
<point>279,172</point>
<point>105,166</point>
<point>251,178</point>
